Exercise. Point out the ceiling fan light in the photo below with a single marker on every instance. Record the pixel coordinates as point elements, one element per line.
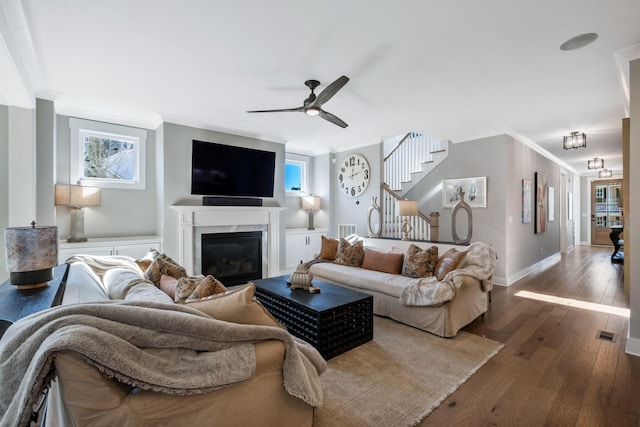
<point>312,111</point>
<point>575,140</point>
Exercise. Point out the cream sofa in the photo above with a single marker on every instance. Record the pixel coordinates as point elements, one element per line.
<point>444,319</point>
<point>81,395</point>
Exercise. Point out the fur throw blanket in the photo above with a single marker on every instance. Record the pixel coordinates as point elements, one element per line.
<point>133,341</point>
<point>479,263</point>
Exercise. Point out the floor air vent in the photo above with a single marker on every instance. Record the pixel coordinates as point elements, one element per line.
<point>606,336</point>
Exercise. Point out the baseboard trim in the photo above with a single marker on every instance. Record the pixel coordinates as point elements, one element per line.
<point>532,268</point>
<point>633,345</point>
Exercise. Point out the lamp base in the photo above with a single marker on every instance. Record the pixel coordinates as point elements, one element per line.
<point>77,239</point>
<point>406,229</point>
<point>31,279</point>
<point>310,227</point>
<point>32,286</point>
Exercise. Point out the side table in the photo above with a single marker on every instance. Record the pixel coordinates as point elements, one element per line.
<point>16,304</point>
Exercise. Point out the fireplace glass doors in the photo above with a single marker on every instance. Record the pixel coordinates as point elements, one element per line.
<point>232,258</point>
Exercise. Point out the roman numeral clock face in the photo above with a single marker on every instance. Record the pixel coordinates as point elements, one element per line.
<point>353,175</point>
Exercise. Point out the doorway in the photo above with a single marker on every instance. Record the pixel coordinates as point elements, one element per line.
<point>606,200</point>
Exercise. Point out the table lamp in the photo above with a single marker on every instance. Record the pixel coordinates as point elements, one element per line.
<point>77,197</point>
<point>310,204</point>
<point>406,208</point>
<point>32,252</point>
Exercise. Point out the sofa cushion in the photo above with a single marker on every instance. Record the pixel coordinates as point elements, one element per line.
<point>237,306</point>
<point>384,283</point>
<point>350,254</point>
<point>168,286</point>
<point>328,248</point>
<point>382,261</point>
<point>448,262</point>
<point>419,262</point>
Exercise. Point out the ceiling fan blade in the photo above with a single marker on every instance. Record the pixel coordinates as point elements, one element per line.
<point>331,90</point>
<point>333,119</point>
<point>282,110</point>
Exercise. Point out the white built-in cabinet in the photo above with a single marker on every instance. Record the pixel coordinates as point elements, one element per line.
<point>133,246</point>
<point>302,245</point>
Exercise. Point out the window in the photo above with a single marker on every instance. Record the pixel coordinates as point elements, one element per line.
<point>107,155</point>
<point>296,174</point>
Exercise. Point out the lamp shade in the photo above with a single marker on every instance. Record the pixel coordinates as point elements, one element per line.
<point>32,252</point>
<point>77,195</point>
<point>407,207</point>
<point>311,203</point>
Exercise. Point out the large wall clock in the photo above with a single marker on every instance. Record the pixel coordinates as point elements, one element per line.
<point>353,175</point>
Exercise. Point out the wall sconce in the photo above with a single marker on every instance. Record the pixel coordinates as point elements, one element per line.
<point>575,140</point>
<point>595,163</point>
<point>406,208</point>
<point>77,197</point>
<point>605,173</point>
<point>310,204</point>
<point>32,252</point>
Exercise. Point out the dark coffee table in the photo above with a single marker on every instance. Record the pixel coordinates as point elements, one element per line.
<point>335,320</point>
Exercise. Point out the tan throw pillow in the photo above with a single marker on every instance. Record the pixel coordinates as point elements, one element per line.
<point>447,262</point>
<point>162,264</point>
<point>146,260</point>
<point>208,286</point>
<point>329,248</point>
<point>186,286</point>
<point>420,262</point>
<point>237,306</point>
<point>348,254</point>
<point>380,261</point>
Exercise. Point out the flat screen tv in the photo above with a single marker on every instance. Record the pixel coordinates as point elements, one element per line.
<point>226,170</point>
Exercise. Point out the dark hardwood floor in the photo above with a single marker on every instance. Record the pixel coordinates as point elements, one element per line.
<point>553,371</point>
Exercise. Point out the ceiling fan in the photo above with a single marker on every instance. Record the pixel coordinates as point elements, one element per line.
<point>312,106</point>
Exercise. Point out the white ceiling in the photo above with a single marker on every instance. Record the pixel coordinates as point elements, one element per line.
<point>455,70</point>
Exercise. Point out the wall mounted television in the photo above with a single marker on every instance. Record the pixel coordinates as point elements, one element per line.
<point>227,170</point>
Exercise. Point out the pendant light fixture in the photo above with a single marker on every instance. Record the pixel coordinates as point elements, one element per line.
<point>595,163</point>
<point>575,140</point>
<point>605,173</point>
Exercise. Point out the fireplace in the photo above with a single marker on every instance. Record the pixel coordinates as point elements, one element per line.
<point>233,258</point>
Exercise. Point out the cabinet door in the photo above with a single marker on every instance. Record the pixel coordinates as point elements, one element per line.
<point>296,249</point>
<point>65,253</point>
<point>314,243</point>
<point>137,250</point>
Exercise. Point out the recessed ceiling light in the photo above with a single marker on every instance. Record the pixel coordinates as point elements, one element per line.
<point>579,41</point>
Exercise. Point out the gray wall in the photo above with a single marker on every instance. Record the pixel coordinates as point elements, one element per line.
<point>45,161</point>
<point>632,234</point>
<point>122,212</point>
<point>485,157</point>
<point>177,176</point>
<point>4,186</point>
<point>523,246</point>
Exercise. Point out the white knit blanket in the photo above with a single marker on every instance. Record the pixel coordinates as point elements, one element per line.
<point>479,263</point>
<point>131,341</point>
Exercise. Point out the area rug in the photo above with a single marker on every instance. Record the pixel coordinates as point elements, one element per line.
<point>398,378</point>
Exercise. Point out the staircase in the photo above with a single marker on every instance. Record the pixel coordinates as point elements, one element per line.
<point>411,159</point>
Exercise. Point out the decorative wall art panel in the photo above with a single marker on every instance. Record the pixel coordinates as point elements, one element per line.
<point>526,201</point>
<point>541,203</point>
<point>475,191</point>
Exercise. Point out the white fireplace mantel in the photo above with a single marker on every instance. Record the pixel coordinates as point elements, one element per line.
<point>192,217</point>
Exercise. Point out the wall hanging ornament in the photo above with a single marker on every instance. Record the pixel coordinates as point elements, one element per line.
<point>374,219</point>
<point>461,205</point>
